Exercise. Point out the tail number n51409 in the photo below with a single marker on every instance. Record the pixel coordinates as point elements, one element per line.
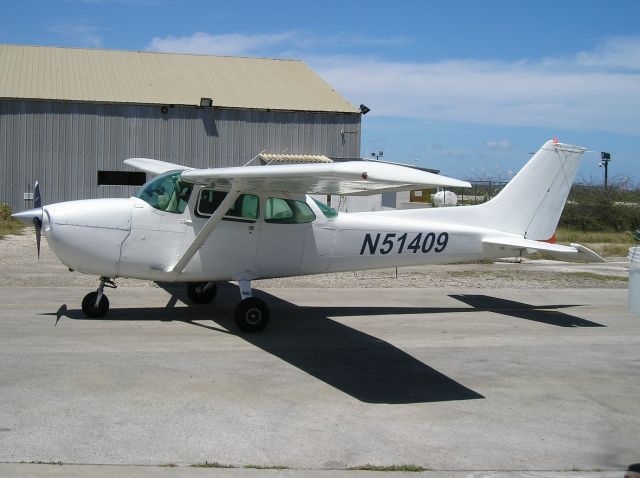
<point>399,243</point>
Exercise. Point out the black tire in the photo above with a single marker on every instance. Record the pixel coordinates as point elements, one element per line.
<point>89,305</point>
<point>252,315</point>
<point>197,296</point>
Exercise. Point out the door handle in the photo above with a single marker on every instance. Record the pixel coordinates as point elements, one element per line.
<point>186,221</point>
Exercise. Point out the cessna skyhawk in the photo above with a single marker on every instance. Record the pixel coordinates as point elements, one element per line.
<point>202,226</point>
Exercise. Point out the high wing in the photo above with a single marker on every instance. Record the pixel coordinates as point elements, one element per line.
<point>528,244</point>
<point>349,177</point>
<point>153,166</point>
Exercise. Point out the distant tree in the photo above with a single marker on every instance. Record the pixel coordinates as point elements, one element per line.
<point>594,208</point>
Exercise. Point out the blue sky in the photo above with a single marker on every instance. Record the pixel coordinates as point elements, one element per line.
<point>468,87</point>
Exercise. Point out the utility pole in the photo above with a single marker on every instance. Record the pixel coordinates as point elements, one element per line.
<point>377,155</point>
<point>606,157</point>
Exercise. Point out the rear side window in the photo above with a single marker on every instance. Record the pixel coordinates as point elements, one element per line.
<point>245,208</point>
<point>287,211</point>
<point>329,212</point>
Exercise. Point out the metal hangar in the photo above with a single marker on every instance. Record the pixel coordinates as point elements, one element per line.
<point>69,117</point>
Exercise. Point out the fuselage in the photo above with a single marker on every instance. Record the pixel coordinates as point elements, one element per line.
<point>223,224</point>
<point>264,235</point>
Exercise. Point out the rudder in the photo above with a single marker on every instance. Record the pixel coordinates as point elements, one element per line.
<point>532,202</point>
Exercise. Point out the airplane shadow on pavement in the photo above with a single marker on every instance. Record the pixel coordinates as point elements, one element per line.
<point>536,313</point>
<point>358,364</point>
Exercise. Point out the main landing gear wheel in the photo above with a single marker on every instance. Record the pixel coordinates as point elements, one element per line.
<point>201,292</point>
<point>89,305</point>
<point>252,315</point>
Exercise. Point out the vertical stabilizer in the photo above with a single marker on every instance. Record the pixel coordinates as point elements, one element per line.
<point>532,202</point>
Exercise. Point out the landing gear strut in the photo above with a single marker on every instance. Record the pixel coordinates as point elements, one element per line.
<point>252,314</point>
<point>96,304</point>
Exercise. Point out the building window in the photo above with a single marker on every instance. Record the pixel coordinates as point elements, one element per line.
<point>121,178</point>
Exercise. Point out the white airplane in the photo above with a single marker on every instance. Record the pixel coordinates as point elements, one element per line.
<point>202,226</point>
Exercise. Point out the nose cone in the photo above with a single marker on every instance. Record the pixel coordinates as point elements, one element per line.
<point>87,235</point>
<point>28,216</point>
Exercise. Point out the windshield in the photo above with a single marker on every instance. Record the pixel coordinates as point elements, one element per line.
<point>329,212</point>
<point>166,192</point>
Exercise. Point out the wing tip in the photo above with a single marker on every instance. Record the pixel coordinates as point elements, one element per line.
<point>153,166</point>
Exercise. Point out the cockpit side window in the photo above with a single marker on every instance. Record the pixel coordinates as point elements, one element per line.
<point>166,192</point>
<point>208,202</point>
<point>245,208</point>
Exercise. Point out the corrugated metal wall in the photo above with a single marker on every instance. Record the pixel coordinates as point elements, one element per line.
<point>64,144</point>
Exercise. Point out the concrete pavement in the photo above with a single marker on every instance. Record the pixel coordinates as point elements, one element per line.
<point>27,470</point>
<point>443,379</point>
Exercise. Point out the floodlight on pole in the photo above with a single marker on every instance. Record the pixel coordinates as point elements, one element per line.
<point>604,161</point>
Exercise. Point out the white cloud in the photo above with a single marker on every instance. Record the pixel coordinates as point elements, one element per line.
<point>561,94</point>
<point>501,145</point>
<point>224,44</point>
<point>277,44</point>
<point>593,90</point>
<point>80,32</point>
<point>614,53</point>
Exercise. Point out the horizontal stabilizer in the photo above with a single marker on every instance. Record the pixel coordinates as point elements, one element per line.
<point>580,252</point>
<point>153,166</point>
<point>349,177</point>
<point>589,255</point>
<point>517,243</point>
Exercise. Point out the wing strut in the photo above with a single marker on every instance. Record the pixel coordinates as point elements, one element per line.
<point>208,228</point>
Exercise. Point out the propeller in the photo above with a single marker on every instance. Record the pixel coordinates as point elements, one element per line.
<point>37,221</point>
<point>33,216</point>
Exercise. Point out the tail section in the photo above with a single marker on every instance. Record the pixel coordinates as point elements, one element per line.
<point>532,202</point>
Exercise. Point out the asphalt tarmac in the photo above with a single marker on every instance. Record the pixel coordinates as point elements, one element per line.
<point>457,380</point>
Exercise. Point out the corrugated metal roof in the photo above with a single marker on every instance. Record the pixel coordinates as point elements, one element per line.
<point>112,76</point>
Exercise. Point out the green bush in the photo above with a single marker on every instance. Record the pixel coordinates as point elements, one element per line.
<point>598,209</point>
<point>8,225</point>
<point>5,212</point>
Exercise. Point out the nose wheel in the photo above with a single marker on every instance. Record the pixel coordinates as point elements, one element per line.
<point>90,308</point>
<point>252,314</point>
<point>96,304</point>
